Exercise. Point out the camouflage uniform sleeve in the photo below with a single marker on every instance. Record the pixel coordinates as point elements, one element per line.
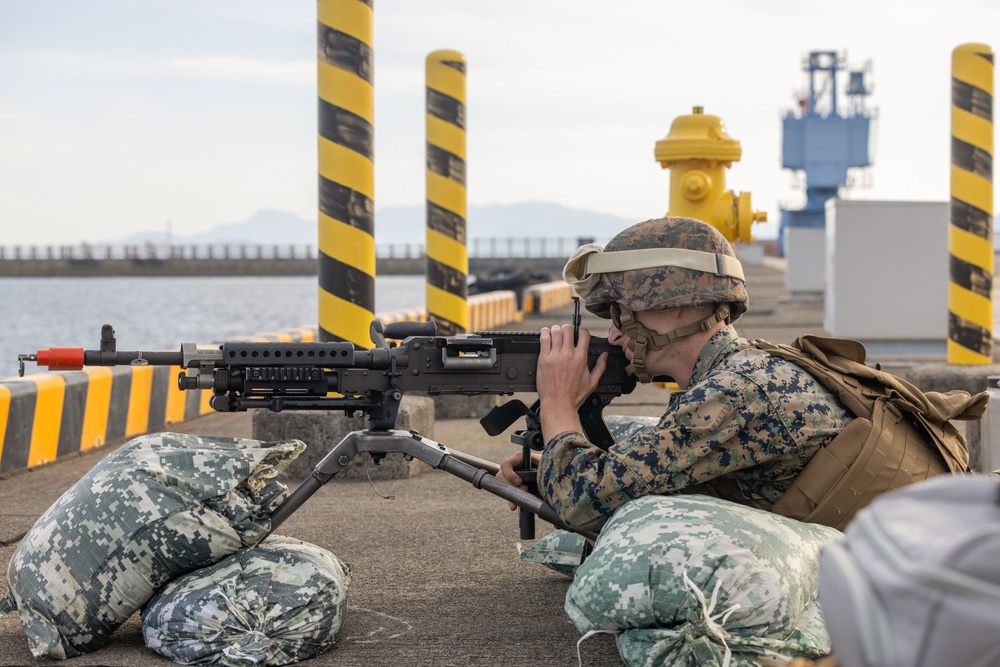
<point>583,483</point>
<point>702,435</point>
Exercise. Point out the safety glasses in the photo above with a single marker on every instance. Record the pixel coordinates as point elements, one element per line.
<point>616,314</point>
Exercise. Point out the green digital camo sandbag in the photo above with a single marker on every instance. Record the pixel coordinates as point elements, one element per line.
<point>559,550</point>
<point>694,581</point>
<point>623,427</point>
<point>279,602</point>
<point>562,550</point>
<point>159,506</point>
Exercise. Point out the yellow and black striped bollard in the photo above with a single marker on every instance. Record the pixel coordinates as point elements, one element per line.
<point>346,171</point>
<point>970,306</point>
<point>447,256</point>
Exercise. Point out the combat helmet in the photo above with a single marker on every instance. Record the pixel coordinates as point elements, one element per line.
<point>660,264</point>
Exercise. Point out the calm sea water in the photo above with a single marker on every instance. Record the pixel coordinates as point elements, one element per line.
<point>161,313</point>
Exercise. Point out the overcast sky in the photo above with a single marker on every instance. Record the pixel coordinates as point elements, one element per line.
<point>119,116</point>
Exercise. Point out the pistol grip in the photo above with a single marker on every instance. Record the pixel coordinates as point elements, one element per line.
<point>525,519</point>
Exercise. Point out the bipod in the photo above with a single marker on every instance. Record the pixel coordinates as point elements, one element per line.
<point>478,472</point>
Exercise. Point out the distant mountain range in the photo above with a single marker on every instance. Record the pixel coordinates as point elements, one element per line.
<point>406,224</point>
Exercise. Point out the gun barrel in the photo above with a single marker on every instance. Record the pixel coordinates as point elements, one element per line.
<point>75,358</point>
<point>134,357</point>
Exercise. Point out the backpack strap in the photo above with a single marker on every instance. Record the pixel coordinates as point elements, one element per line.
<point>838,364</point>
<point>866,459</point>
<point>899,435</point>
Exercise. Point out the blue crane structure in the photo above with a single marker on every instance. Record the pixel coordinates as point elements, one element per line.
<point>826,137</point>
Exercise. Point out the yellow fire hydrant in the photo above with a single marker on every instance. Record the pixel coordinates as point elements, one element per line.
<point>698,151</point>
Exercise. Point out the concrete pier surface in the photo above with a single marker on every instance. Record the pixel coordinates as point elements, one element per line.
<point>437,580</point>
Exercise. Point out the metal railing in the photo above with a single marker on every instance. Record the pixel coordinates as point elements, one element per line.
<point>484,248</point>
<point>155,251</point>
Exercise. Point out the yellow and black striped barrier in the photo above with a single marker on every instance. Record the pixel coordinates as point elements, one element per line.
<point>970,230</point>
<point>490,310</point>
<point>543,297</point>
<point>346,171</point>
<point>447,256</point>
<point>50,415</point>
<point>486,311</point>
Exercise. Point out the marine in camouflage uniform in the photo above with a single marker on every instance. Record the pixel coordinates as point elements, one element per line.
<point>748,417</point>
<point>747,423</point>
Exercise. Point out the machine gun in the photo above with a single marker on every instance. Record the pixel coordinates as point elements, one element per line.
<point>407,357</point>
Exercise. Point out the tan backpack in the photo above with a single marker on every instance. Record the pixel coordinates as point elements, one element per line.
<point>899,435</point>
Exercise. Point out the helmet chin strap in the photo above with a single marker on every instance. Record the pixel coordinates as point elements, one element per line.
<point>641,338</point>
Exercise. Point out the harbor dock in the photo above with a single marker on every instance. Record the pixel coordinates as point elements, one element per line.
<point>437,579</point>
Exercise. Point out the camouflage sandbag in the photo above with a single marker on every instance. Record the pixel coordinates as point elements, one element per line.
<point>693,581</point>
<point>160,506</point>
<point>561,550</point>
<point>280,602</point>
<point>623,427</point>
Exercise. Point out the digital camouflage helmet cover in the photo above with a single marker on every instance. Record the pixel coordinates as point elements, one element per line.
<point>660,264</point>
